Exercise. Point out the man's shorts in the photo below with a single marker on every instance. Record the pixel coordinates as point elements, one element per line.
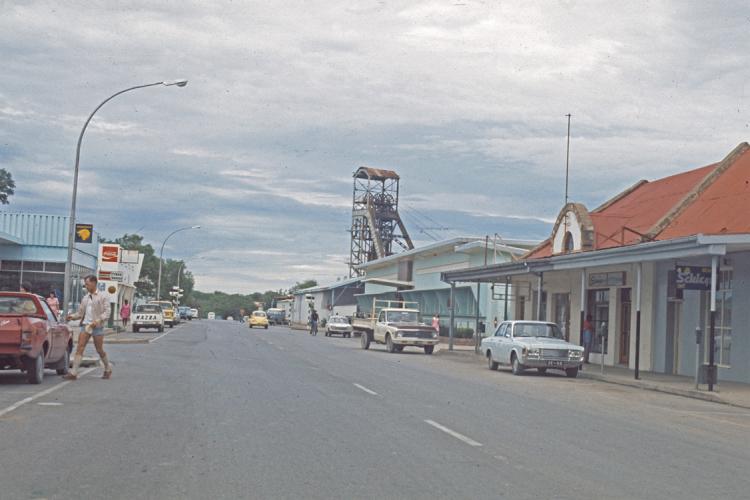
<point>96,332</point>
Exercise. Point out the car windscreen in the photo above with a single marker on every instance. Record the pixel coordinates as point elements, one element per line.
<point>541,330</point>
<point>259,314</point>
<point>148,309</point>
<point>339,319</point>
<point>18,305</point>
<point>402,316</point>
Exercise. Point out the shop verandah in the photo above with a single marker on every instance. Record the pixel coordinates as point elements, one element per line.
<point>642,319</point>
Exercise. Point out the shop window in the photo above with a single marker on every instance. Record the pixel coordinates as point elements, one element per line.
<point>723,320</point>
<point>33,266</point>
<point>11,265</point>
<point>598,308</point>
<point>54,267</point>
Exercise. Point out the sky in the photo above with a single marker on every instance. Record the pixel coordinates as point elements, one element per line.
<point>465,99</point>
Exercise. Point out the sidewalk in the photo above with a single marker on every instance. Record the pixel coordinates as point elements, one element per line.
<point>730,393</point>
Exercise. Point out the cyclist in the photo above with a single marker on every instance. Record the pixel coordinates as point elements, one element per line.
<point>314,322</point>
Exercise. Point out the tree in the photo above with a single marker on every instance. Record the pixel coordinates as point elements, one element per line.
<point>302,285</point>
<point>7,186</point>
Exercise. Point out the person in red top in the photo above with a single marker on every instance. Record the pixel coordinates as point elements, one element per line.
<point>125,313</point>
<point>588,337</point>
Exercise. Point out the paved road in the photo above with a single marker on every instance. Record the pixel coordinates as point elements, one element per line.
<point>214,410</point>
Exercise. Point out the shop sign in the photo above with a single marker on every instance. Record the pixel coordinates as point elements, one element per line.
<point>692,278</point>
<point>604,280</point>
<point>84,233</point>
<point>110,253</point>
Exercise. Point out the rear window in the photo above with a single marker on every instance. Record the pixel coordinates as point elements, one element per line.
<point>18,305</point>
<point>150,308</point>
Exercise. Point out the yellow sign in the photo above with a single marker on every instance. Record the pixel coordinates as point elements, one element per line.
<point>84,233</point>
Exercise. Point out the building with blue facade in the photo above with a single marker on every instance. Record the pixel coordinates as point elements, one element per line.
<point>33,248</point>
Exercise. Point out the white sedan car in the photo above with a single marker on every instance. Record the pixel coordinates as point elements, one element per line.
<point>532,344</point>
<point>338,325</point>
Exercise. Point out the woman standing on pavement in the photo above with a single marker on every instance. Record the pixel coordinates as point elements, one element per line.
<point>54,304</point>
<point>125,313</point>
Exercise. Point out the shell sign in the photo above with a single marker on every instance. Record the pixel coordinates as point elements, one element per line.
<point>84,233</point>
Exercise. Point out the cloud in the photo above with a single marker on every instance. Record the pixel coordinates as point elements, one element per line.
<point>467,101</point>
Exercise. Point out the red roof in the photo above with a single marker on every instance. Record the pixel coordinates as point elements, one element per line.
<point>714,199</point>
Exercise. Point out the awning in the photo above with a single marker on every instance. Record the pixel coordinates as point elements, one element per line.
<point>388,282</point>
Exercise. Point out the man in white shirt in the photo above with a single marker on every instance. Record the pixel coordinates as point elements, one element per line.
<point>93,311</point>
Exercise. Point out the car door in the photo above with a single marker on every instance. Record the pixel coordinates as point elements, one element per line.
<point>505,341</point>
<point>379,330</point>
<point>494,343</point>
<point>55,334</point>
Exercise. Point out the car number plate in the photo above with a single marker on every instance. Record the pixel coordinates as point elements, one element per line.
<point>555,364</point>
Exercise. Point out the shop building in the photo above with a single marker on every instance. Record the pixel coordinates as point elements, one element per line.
<point>337,298</point>
<point>415,276</point>
<point>652,266</point>
<point>33,248</point>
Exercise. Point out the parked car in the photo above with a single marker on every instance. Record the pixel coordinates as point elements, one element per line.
<point>31,338</point>
<point>148,316</point>
<point>170,316</point>
<point>194,314</point>
<point>532,344</point>
<point>184,312</point>
<point>211,315</point>
<point>338,325</point>
<point>258,318</point>
<point>276,316</point>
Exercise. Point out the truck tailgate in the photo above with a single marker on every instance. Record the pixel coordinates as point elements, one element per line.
<point>10,332</point>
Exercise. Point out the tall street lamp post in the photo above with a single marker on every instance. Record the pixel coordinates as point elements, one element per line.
<point>72,225</point>
<point>161,254</point>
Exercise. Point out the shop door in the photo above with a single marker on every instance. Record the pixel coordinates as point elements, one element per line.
<point>625,306</point>
<point>562,313</point>
<point>672,344</point>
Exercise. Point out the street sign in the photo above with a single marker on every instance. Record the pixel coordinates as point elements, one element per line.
<point>84,233</point>
<point>692,278</point>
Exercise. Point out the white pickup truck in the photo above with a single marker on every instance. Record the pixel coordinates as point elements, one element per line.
<point>395,324</point>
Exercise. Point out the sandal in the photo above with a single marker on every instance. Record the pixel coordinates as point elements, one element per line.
<point>70,376</point>
<point>107,375</point>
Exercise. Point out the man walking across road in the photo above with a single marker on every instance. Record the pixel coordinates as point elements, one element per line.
<point>93,312</point>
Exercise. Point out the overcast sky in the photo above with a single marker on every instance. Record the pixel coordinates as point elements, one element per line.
<point>466,100</point>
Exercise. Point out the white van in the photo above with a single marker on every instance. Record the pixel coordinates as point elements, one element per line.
<point>211,315</point>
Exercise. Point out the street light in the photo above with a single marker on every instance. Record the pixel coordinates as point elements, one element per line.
<point>161,253</point>
<point>72,225</point>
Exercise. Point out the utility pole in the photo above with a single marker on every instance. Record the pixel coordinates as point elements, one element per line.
<point>567,162</point>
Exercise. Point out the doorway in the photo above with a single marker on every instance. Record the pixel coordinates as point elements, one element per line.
<point>562,313</point>
<point>625,309</point>
<point>672,344</point>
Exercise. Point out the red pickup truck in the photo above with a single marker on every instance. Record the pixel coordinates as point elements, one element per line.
<point>31,338</point>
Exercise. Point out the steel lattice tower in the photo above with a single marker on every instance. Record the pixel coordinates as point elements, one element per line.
<point>376,224</point>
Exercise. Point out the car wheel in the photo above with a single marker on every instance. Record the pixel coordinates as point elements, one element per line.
<point>429,349</point>
<point>160,329</point>
<point>266,327</point>
<point>389,344</point>
<point>492,365</point>
<point>517,366</point>
<point>135,329</point>
<point>571,372</point>
<point>63,366</point>
<point>35,374</point>
<point>364,340</point>
<point>541,371</point>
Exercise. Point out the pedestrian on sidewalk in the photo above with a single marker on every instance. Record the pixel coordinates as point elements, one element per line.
<point>54,304</point>
<point>125,313</point>
<point>588,336</point>
<point>436,323</point>
<point>93,312</point>
<point>314,322</point>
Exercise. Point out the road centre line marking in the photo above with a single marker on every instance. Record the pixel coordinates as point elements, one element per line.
<point>368,391</point>
<point>453,433</point>
<point>50,404</point>
<point>38,395</point>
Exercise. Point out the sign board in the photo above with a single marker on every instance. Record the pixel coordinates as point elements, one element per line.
<point>84,233</point>
<point>692,278</point>
<point>129,256</point>
<point>603,280</point>
<point>109,257</point>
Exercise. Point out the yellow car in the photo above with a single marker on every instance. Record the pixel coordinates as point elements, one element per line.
<point>258,318</point>
<point>167,310</point>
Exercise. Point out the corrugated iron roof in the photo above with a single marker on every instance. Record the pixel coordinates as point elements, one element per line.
<point>36,229</point>
<point>714,199</point>
<point>375,173</point>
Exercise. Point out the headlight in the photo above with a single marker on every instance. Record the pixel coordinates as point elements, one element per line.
<point>434,335</point>
<point>398,335</point>
<point>575,354</point>
<point>532,353</point>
